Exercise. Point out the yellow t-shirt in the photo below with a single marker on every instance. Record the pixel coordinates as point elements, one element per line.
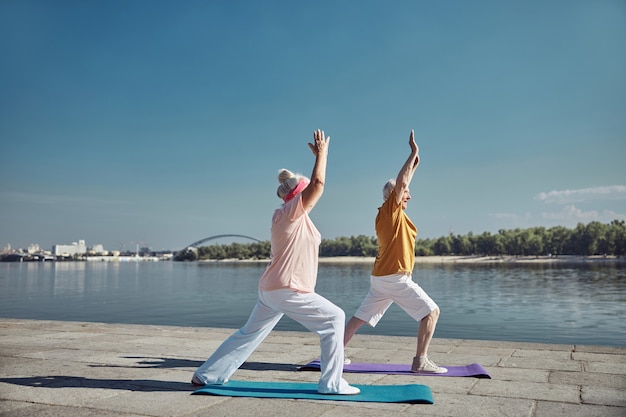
<point>396,239</point>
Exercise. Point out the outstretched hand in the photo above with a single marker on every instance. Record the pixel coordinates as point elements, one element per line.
<point>414,149</point>
<point>412,144</point>
<point>320,144</point>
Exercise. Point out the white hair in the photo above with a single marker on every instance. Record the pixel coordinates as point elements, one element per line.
<point>288,181</point>
<point>388,188</point>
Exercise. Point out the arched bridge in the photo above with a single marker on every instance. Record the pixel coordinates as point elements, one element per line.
<point>207,239</point>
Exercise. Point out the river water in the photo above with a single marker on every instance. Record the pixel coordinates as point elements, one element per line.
<point>574,304</point>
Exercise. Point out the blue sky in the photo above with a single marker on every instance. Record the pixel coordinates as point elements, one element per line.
<point>165,122</point>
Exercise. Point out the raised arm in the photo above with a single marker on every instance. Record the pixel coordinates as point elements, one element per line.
<point>408,169</point>
<point>315,189</point>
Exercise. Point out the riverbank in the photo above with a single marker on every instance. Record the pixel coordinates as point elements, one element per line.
<point>564,259</point>
<point>490,259</point>
<point>71,369</point>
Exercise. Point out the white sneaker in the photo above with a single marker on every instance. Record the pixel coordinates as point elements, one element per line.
<point>349,390</point>
<point>427,366</point>
<point>197,382</point>
<point>346,389</point>
<point>347,361</point>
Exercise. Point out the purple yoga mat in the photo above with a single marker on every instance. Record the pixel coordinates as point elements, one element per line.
<point>473,369</point>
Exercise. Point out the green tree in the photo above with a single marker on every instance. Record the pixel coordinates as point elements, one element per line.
<point>363,246</point>
<point>442,246</point>
<point>460,245</point>
<point>486,244</point>
<point>534,242</point>
<point>617,236</point>
<point>424,247</point>
<point>558,240</point>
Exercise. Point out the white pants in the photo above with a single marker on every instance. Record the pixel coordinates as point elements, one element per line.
<point>398,288</point>
<point>311,310</point>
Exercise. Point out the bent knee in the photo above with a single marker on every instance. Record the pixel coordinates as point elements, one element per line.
<point>338,316</point>
<point>341,316</point>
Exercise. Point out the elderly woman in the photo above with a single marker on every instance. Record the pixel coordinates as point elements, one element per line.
<point>287,286</point>
<point>391,279</point>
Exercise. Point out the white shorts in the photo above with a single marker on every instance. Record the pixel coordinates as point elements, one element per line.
<point>398,288</point>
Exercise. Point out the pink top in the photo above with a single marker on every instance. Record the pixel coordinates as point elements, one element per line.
<point>294,252</point>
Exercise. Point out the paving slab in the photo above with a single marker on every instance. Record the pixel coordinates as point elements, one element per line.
<point>56,368</point>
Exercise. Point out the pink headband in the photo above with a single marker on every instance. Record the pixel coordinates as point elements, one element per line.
<point>301,186</point>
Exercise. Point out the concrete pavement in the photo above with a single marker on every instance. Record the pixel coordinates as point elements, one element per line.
<point>69,369</point>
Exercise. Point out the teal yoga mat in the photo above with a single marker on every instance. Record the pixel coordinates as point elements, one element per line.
<point>409,393</point>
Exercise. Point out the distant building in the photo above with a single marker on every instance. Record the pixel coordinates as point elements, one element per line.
<point>145,251</point>
<point>98,249</point>
<point>69,250</point>
<point>33,248</point>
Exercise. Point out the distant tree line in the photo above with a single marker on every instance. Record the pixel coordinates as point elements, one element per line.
<point>594,238</point>
<point>256,250</point>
